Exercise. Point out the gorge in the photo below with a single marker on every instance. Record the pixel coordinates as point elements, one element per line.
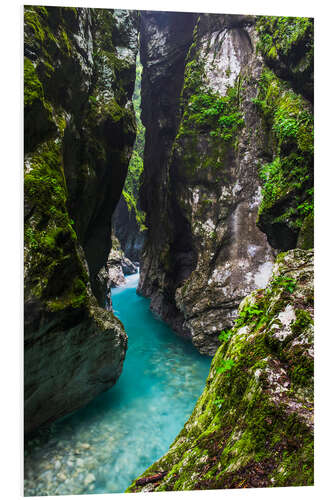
<point>213,194</point>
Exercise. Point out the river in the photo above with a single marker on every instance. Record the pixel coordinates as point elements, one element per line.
<point>102,447</point>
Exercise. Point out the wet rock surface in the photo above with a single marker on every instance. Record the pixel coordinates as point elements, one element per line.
<point>127,230</point>
<point>118,266</point>
<point>79,73</point>
<point>253,424</point>
<point>203,251</point>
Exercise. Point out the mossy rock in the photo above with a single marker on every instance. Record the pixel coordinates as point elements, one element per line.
<point>287,181</point>
<point>287,44</point>
<point>253,424</point>
<point>78,140</point>
<point>306,234</point>
<point>39,124</point>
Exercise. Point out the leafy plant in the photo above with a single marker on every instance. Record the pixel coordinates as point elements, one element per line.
<point>226,365</point>
<point>286,282</point>
<point>220,114</point>
<point>287,188</point>
<point>248,314</point>
<point>225,335</point>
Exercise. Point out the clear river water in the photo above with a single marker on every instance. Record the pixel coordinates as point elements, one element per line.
<point>102,447</point>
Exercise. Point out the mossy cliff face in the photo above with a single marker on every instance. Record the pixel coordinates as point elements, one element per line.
<point>253,424</point>
<point>284,100</point>
<point>127,229</point>
<point>206,171</point>
<point>79,72</point>
<point>128,220</point>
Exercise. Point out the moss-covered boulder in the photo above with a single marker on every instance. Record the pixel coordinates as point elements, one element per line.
<point>79,128</point>
<point>253,424</point>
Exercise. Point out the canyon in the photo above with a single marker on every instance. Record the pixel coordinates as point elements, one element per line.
<point>216,208</point>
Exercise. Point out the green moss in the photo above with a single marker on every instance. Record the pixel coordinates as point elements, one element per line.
<point>33,89</point>
<point>132,205</point>
<point>66,41</point>
<point>242,432</point>
<point>75,297</point>
<point>296,467</point>
<point>306,234</point>
<point>55,270</point>
<point>282,35</point>
<point>211,112</point>
<point>211,118</point>
<point>288,179</point>
<point>33,17</point>
<point>104,132</point>
<point>303,319</point>
<point>49,29</point>
<point>210,123</point>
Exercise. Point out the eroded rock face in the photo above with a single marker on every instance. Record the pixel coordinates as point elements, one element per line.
<point>116,268</point>
<point>128,231</point>
<point>201,188</point>
<point>253,424</point>
<point>165,40</point>
<point>79,72</point>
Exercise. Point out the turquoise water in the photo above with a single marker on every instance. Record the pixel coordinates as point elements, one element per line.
<point>104,446</point>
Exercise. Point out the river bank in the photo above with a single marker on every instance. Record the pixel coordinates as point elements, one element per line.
<point>104,446</point>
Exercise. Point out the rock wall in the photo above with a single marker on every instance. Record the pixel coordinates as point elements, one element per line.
<point>116,268</point>
<point>127,230</point>
<point>253,424</point>
<point>164,41</point>
<point>217,146</point>
<point>128,220</point>
<point>79,129</point>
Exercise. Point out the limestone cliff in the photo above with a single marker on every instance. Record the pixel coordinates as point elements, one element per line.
<point>228,158</point>
<point>253,424</point>
<point>116,268</point>
<point>79,129</point>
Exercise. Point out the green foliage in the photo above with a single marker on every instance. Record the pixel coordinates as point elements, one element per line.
<point>282,35</point>
<point>225,335</point>
<point>219,115</point>
<point>225,366</point>
<point>209,112</point>
<point>135,167</point>
<point>286,282</point>
<point>33,89</point>
<point>303,319</point>
<point>33,18</point>
<point>132,205</point>
<point>218,402</point>
<point>207,118</point>
<point>248,314</point>
<point>55,271</point>
<point>216,119</point>
<point>289,132</point>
